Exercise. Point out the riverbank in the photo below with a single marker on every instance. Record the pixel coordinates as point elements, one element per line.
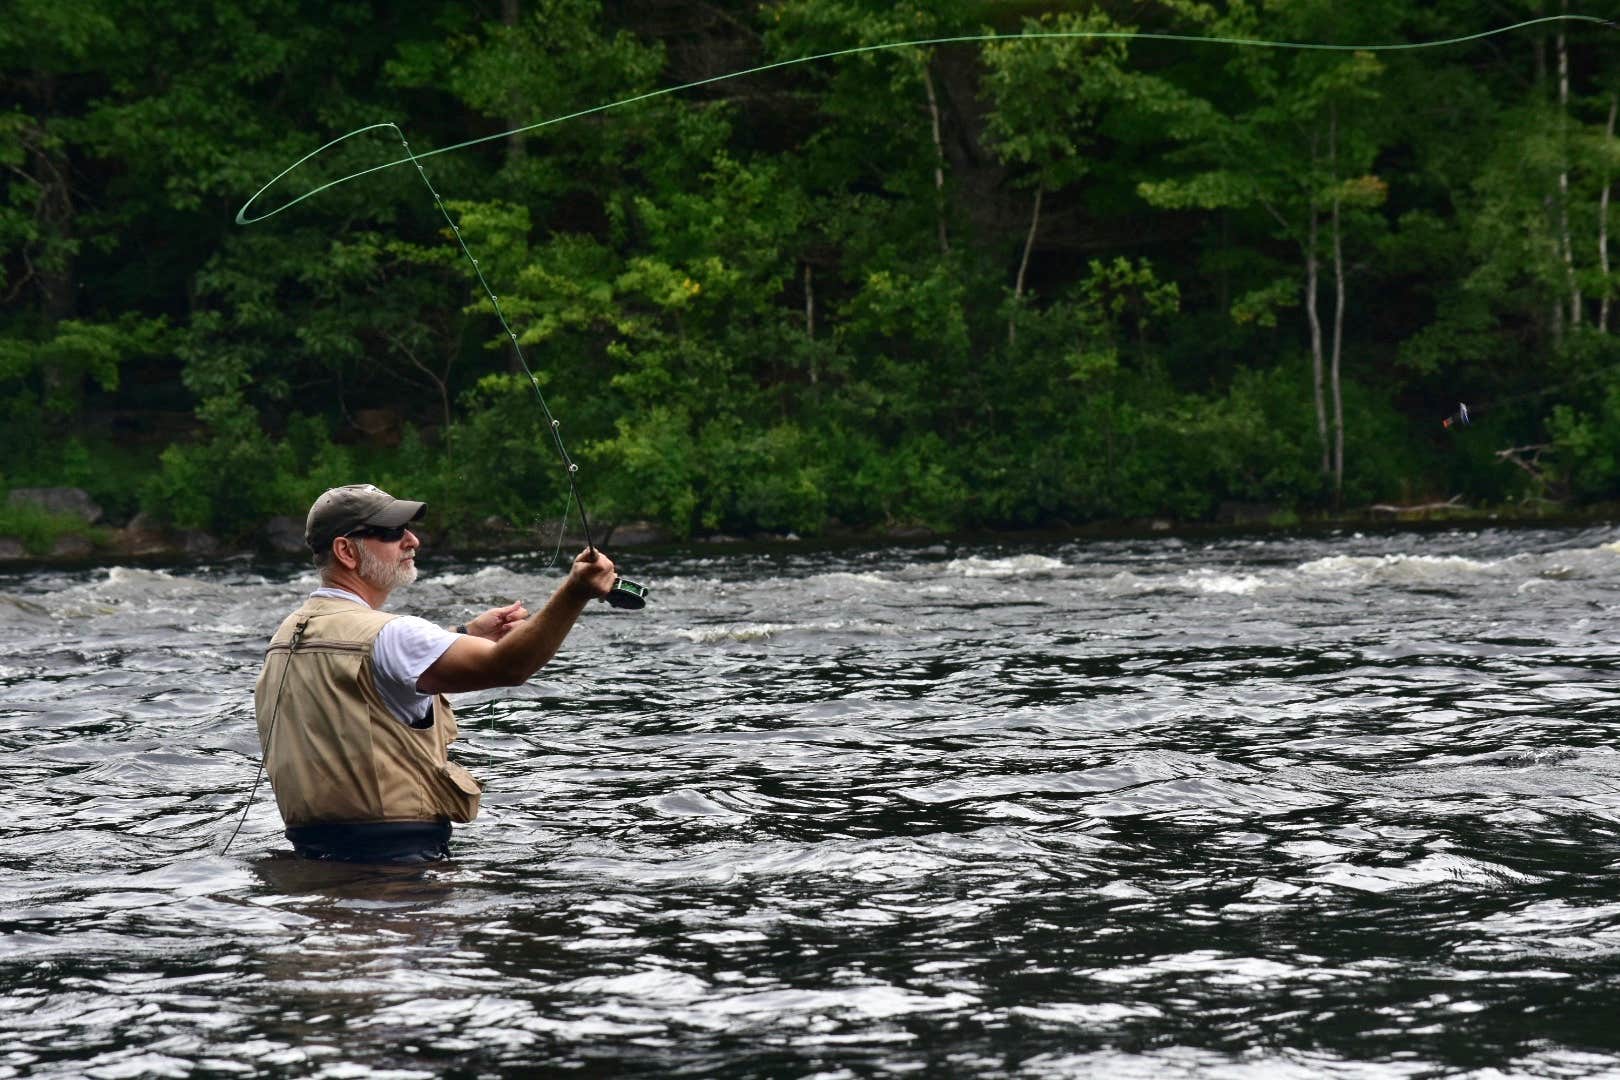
<point>61,526</point>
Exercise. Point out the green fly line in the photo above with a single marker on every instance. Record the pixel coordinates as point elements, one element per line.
<point>414,158</point>
<point>1119,35</point>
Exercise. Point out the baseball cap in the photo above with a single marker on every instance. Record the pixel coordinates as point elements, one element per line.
<point>341,510</point>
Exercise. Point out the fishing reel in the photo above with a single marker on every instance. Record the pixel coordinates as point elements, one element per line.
<point>627,594</point>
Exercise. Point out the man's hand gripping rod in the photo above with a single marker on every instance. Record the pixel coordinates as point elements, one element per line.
<point>626,594</point>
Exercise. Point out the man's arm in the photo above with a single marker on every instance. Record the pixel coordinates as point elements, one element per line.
<point>475,663</point>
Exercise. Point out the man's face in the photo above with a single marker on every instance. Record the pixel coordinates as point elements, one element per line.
<point>388,565</point>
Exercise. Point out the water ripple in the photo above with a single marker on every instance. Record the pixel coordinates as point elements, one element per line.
<point>1273,807</point>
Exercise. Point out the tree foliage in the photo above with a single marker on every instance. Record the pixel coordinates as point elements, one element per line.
<point>1020,281</point>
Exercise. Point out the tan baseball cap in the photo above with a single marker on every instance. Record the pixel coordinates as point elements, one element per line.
<point>344,509</point>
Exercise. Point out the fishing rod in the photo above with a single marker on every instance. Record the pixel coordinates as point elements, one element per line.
<point>626,594</point>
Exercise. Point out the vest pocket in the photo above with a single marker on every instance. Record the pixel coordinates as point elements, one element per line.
<point>460,792</point>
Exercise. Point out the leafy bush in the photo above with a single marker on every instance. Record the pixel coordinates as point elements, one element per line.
<point>1586,443</point>
<point>38,529</point>
<point>229,480</point>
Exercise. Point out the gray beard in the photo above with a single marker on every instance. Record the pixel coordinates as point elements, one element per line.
<point>384,576</point>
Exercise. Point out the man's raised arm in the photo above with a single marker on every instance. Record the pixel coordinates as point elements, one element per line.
<point>475,663</point>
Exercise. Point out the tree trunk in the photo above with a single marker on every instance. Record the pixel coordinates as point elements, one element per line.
<point>53,212</point>
<point>1555,308</point>
<point>441,382</point>
<point>810,320</point>
<point>53,269</point>
<point>1338,351</point>
<point>1315,320</point>
<point>809,303</point>
<point>1568,246</point>
<point>1023,268</point>
<point>939,156</point>
<point>516,143</point>
<point>52,265</point>
<point>1338,305</point>
<point>1603,218</point>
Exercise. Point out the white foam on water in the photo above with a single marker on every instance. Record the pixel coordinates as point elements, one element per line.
<point>1414,569</point>
<point>1085,1015</point>
<point>1437,868</point>
<point>1211,581</point>
<point>1207,582</point>
<point>1531,570</point>
<point>709,635</point>
<point>1014,566</point>
<point>484,575</point>
<point>1395,569</point>
<point>128,588</point>
<point>654,985</point>
<point>17,608</point>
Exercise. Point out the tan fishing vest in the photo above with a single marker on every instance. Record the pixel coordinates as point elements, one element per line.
<point>337,755</point>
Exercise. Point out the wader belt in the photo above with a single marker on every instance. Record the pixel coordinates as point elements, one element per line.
<point>374,842</point>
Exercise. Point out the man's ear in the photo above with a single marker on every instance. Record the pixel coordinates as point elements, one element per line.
<point>347,552</point>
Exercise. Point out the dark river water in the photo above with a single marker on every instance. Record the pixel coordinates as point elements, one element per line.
<point>1283,807</point>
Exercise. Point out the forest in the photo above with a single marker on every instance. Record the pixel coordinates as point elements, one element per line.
<point>1068,268</point>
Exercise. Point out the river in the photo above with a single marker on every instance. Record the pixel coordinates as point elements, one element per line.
<point>1283,806</point>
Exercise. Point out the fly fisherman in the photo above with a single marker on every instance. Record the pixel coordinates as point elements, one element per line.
<point>352,716</point>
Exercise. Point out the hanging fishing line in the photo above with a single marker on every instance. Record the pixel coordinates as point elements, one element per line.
<point>275,709</point>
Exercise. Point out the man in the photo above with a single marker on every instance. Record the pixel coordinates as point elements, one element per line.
<point>351,708</point>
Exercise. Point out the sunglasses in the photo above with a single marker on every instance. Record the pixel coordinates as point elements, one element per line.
<point>386,533</point>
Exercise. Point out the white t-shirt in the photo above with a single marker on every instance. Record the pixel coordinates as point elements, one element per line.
<point>405,647</point>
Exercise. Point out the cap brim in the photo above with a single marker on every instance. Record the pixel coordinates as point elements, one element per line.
<point>399,512</point>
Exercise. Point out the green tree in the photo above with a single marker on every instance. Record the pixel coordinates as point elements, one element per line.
<point>1300,147</point>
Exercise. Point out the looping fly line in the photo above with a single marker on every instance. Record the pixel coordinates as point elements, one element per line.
<point>242,217</point>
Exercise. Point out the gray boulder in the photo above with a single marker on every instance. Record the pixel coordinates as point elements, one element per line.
<point>66,501</point>
<point>144,535</point>
<point>72,547</point>
<point>286,535</point>
<point>196,542</point>
<point>636,534</point>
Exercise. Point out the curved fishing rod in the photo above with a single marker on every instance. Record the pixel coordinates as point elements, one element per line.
<point>1121,35</point>
<point>625,593</point>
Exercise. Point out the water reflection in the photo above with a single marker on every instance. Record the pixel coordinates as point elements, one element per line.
<point>311,884</point>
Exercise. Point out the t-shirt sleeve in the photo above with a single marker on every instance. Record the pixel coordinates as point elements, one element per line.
<point>405,648</point>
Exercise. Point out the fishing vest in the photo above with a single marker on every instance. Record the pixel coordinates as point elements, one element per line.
<point>334,752</point>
